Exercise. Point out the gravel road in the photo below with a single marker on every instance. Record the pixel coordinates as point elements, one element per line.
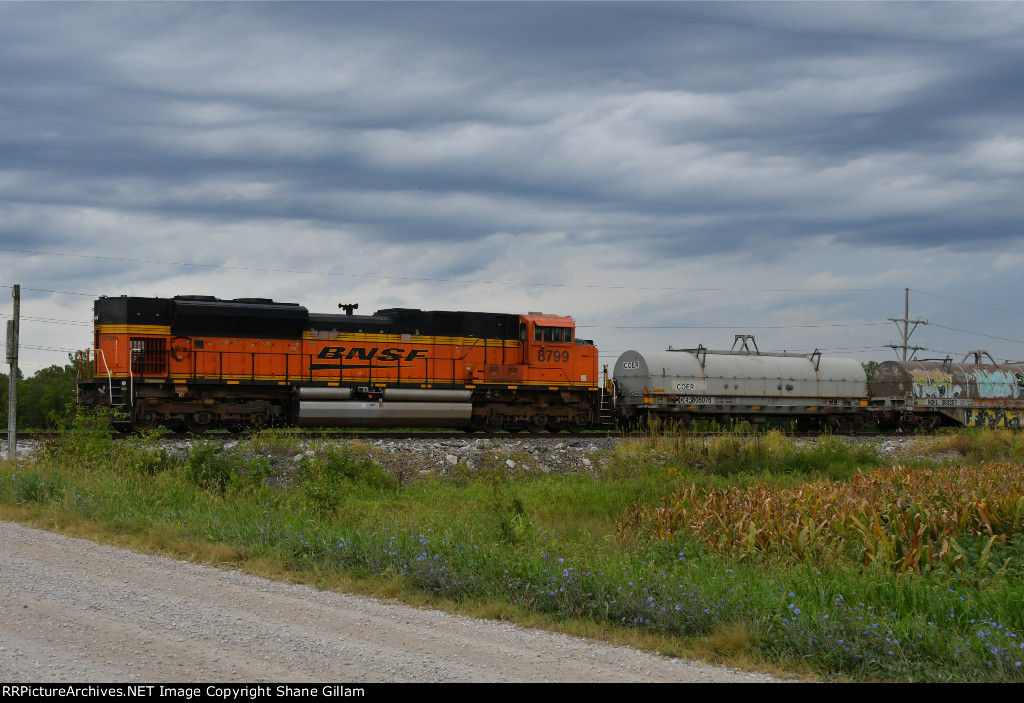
<point>75,611</point>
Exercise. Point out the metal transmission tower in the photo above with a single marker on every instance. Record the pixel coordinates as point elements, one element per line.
<point>906,330</point>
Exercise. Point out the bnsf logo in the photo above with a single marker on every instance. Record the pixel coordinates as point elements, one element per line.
<point>390,354</point>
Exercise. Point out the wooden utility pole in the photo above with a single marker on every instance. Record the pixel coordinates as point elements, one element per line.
<point>12,359</point>
<point>907,330</point>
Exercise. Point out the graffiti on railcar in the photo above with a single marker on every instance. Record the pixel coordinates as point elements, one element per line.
<point>993,418</point>
<point>934,383</point>
<point>997,384</point>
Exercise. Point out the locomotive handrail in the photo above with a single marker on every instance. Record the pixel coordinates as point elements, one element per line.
<point>470,348</point>
<point>110,379</point>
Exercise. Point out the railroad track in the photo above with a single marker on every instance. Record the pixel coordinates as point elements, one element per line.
<point>223,436</point>
<point>544,436</point>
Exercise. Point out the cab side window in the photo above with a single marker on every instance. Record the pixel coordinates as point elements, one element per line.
<point>552,334</point>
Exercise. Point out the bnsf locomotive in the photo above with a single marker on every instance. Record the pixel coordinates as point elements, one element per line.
<point>197,362</point>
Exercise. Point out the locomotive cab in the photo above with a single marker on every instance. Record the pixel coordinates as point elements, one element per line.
<point>554,352</point>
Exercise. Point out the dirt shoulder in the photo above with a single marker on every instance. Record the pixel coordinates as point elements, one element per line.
<point>76,611</point>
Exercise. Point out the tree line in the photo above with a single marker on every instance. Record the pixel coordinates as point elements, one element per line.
<point>45,399</point>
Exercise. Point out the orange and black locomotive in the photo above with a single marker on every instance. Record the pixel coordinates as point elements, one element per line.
<point>197,362</point>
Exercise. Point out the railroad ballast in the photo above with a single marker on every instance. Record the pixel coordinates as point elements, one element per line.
<point>198,362</point>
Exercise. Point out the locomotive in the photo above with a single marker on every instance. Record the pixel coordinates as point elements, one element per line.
<point>197,362</point>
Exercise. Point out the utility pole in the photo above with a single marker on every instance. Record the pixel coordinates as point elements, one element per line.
<point>906,330</point>
<point>12,359</point>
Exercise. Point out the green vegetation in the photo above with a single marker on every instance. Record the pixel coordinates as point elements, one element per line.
<point>45,399</point>
<point>585,554</point>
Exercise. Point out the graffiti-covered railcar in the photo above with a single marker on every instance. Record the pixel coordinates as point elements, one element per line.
<point>928,394</point>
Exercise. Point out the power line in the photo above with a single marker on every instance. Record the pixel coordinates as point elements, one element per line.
<point>728,327</point>
<point>53,349</point>
<point>979,334</point>
<point>58,292</point>
<point>51,321</point>
<point>967,302</point>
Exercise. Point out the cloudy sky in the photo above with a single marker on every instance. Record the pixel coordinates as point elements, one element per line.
<point>667,173</point>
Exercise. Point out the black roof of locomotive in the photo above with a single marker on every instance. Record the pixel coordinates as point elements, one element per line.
<point>208,316</point>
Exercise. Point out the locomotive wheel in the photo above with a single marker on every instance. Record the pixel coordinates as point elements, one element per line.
<point>197,427</point>
<point>199,423</point>
<point>576,425</point>
<point>144,422</point>
<point>476,423</point>
<point>536,424</point>
<point>556,424</point>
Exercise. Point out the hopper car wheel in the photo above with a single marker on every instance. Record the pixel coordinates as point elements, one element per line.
<point>925,423</point>
<point>515,426</point>
<point>535,427</point>
<point>844,424</point>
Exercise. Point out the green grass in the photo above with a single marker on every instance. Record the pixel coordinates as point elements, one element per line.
<point>542,548</point>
